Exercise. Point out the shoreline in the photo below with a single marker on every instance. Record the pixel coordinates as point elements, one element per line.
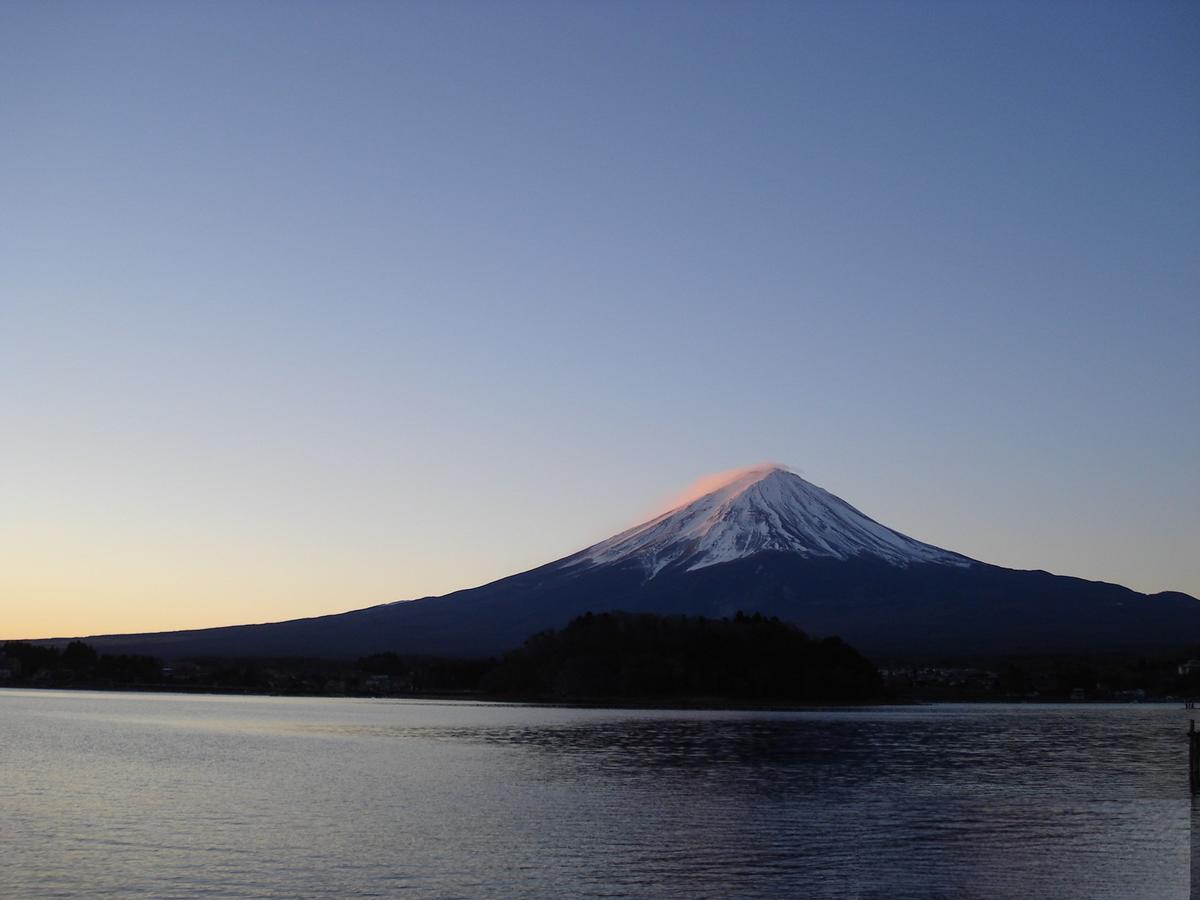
<point>468,697</point>
<point>697,704</point>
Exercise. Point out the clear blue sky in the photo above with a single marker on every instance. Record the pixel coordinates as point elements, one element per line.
<point>309,306</point>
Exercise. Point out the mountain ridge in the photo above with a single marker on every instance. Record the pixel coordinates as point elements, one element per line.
<point>764,540</point>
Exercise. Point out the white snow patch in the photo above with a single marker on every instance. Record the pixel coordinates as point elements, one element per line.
<point>762,508</point>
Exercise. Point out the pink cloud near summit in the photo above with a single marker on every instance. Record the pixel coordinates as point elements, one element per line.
<point>714,481</point>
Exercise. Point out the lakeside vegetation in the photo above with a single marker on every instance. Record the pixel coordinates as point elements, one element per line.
<point>747,658</point>
<point>635,659</point>
<point>615,656</point>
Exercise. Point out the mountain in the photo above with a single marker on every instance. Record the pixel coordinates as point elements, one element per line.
<point>758,509</point>
<point>759,540</point>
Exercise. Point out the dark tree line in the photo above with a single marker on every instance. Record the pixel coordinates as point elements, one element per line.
<point>77,662</point>
<point>622,655</point>
<point>78,665</point>
<point>427,673</point>
<point>613,655</point>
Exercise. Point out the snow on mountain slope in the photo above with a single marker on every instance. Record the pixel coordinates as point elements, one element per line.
<point>760,508</point>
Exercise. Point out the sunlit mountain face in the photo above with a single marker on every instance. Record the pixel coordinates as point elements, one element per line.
<point>760,539</point>
<point>758,509</point>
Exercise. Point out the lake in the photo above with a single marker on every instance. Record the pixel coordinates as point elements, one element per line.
<point>158,795</point>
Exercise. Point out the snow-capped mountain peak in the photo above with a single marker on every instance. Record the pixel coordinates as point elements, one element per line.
<point>759,508</point>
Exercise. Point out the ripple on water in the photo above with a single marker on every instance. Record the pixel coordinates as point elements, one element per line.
<point>159,796</point>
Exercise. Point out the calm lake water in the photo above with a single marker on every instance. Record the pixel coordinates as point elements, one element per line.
<point>171,796</point>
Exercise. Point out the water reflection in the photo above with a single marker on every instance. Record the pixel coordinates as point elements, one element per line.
<point>253,797</point>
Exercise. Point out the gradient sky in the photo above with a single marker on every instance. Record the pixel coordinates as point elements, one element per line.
<point>306,307</point>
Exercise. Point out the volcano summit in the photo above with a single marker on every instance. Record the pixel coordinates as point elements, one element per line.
<point>759,509</point>
<point>762,540</point>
